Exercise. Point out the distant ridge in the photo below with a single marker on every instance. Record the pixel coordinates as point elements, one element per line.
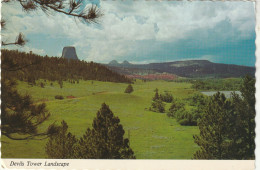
<point>187,68</point>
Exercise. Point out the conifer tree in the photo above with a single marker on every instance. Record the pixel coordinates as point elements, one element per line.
<point>106,139</point>
<point>20,116</point>
<point>214,139</point>
<point>129,89</point>
<point>227,127</point>
<point>156,95</point>
<point>158,106</point>
<point>62,145</point>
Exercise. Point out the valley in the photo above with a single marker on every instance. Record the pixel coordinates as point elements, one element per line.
<point>152,135</point>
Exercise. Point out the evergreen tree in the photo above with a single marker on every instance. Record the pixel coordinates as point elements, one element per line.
<point>175,106</point>
<point>158,106</point>
<point>19,115</point>
<point>106,139</point>
<point>245,113</point>
<point>156,95</point>
<point>214,139</point>
<point>62,145</point>
<point>227,127</point>
<point>129,89</point>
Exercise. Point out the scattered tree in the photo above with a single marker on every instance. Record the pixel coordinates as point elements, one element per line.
<point>175,106</point>
<point>129,89</point>
<point>106,139</point>
<point>227,127</point>
<point>214,139</point>
<point>156,95</point>
<point>166,97</point>
<point>20,116</point>
<point>61,145</point>
<point>157,106</point>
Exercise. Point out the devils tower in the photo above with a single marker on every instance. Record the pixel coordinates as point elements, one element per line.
<point>69,53</point>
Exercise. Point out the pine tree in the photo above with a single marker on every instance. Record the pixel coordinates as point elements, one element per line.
<point>20,116</point>
<point>227,127</point>
<point>129,89</point>
<point>61,145</point>
<point>214,139</point>
<point>245,113</point>
<point>156,95</point>
<point>175,106</point>
<point>106,139</point>
<point>158,106</point>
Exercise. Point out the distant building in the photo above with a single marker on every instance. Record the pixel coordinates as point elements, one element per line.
<point>69,52</point>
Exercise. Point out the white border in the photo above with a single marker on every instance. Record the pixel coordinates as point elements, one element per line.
<point>166,164</point>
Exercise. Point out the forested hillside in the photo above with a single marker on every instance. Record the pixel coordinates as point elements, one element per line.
<point>31,67</point>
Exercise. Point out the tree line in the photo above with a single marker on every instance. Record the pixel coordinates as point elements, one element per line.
<point>30,67</point>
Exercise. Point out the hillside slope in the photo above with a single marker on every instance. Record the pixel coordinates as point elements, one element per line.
<point>31,67</point>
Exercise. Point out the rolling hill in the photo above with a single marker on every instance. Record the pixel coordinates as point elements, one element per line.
<point>188,68</point>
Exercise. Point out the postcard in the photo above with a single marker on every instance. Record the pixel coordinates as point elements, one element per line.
<point>100,84</point>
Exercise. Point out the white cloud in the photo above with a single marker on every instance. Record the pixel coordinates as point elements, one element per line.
<point>124,25</point>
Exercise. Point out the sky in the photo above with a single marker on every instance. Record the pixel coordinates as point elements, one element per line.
<point>142,32</point>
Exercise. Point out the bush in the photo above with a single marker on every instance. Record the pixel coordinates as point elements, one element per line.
<point>60,97</point>
<point>166,97</point>
<point>175,106</point>
<point>129,89</point>
<point>158,106</point>
<point>188,118</point>
<point>42,85</point>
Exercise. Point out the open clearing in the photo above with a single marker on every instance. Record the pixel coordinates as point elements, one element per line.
<point>152,135</point>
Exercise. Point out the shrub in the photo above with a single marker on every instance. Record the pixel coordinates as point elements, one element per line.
<point>175,106</point>
<point>166,97</point>
<point>129,89</point>
<point>60,97</point>
<point>158,106</point>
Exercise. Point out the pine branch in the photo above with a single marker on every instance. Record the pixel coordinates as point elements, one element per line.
<point>20,40</point>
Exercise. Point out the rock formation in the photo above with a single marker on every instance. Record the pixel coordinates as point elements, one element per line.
<point>69,53</point>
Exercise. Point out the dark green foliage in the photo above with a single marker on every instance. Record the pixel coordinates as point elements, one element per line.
<point>166,97</point>
<point>175,107</point>
<point>246,108</point>
<point>19,115</point>
<point>60,82</point>
<point>197,99</point>
<point>62,145</point>
<point>129,89</point>
<point>156,95</point>
<point>33,67</point>
<point>214,139</point>
<point>42,84</point>
<point>227,127</point>
<point>216,84</point>
<point>106,139</point>
<point>187,118</point>
<point>157,106</point>
<point>60,97</point>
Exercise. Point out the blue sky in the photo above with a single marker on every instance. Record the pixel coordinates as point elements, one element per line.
<point>143,32</point>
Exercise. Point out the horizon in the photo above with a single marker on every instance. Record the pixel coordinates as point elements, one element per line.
<point>216,32</point>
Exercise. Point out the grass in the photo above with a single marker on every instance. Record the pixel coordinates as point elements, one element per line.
<point>152,135</point>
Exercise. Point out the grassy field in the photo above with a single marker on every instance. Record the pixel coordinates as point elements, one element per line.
<point>152,135</point>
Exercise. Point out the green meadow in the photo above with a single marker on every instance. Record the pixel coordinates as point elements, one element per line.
<point>152,135</point>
